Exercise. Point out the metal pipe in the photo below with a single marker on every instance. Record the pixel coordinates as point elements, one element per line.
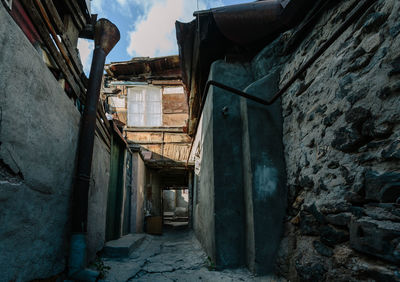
<point>354,15</point>
<point>106,36</point>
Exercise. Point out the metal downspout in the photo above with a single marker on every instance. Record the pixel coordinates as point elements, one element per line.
<point>106,36</point>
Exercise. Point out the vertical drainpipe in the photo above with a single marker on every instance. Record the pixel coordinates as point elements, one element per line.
<point>106,35</point>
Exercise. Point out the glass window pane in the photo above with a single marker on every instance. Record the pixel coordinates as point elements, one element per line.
<point>144,106</point>
<point>153,120</point>
<point>153,107</point>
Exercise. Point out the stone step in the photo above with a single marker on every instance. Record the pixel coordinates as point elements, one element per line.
<point>123,246</point>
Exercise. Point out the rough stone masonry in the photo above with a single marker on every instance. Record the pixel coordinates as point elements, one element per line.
<point>342,147</point>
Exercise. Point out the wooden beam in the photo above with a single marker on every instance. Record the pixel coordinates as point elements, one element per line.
<point>54,16</point>
<point>157,142</point>
<point>103,133</point>
<point>79,19</point>
<point>44,34</point>
<point>49,5</point>
<point>155,129</point>
<point>60,45</point>
<point>177,82</point>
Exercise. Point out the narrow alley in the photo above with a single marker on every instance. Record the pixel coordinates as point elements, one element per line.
<point>174,256</point>
<point>199,140</point>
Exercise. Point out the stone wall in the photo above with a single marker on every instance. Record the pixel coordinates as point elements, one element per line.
<point>342,148</point>
<point>39,128</point>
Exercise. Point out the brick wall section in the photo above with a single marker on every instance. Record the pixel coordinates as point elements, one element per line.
<point>342,149</point>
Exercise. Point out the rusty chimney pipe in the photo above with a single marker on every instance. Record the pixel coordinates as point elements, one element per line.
<point>106,36</point>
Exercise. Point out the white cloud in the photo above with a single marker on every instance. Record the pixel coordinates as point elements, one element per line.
<point>85,48</point>
<point>154,33</point>
<point>122,2</point>
<point>96,6</point>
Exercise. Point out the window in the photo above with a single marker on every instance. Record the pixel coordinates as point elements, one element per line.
<point>144,106</point>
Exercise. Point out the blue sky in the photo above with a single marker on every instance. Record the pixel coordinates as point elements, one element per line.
<point>147,27</point>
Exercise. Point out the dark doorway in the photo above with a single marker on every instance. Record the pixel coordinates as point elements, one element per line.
<point>175,207</point>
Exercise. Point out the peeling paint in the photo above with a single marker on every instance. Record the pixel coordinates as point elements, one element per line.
<point>266,179</point>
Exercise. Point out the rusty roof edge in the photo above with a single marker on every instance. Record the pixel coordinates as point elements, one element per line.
<point>241,6</point>
<point>287,13</point>
<point>137,60</point>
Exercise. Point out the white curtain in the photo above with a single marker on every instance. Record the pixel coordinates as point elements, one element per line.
<point>144,106</point>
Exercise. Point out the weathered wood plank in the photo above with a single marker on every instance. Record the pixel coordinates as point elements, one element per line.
<point>77,13</point>
<point>44,34</point>
<point>54,16</point>
<point>155,129</point>
<point>60,44</point>
<point>103,133</point>
<point>145,137</point>
<point>177,138</point>
<point>49,5</point>
<point>174,119</point>
<point>74,16</point>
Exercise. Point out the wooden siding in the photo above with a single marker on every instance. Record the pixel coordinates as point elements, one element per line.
<point>163,145</point>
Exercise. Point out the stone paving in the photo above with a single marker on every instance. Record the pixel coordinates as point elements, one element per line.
<point>174,256</point>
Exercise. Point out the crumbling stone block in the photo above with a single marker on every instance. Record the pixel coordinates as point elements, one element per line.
<point>382,187</point>
<point>341,219</point>
<point>395,67</point>
<point>383,211</point>
<point>392,152</point>
<point>332,117</point>
<point>322,249</point>
<point>333,236</point>
<point>347,140</point>
<point>377,238</point>
<point>310,271</point>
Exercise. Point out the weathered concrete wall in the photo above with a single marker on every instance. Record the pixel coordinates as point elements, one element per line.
<point>203,198</point>
<point>137,193</point>
<point>264,173</point>
<point>341,137</point>
<point>169,200</point>
<point>38,133</point>
<point>98,191</point>
<point>39,128</point>
<point>249,194</point>
<point>228,183</point>
<point>182,199</point>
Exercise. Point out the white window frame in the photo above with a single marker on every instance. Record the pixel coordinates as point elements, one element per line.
<point>140,100</point>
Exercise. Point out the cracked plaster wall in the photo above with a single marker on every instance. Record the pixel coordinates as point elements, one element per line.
<point>38,134</point>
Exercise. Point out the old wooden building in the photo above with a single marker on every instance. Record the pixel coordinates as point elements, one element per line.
<point>145,96</point>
